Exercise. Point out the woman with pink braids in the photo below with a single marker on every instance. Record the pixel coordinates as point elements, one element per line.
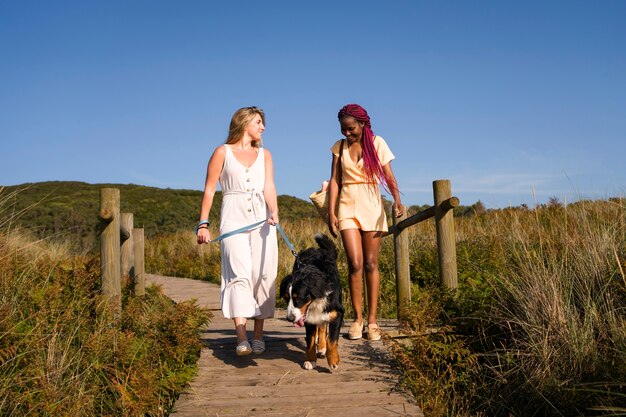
<point>360,163</point>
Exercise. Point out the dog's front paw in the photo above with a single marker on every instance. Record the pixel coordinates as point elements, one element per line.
<point>321,353</point>
<point>308,365</point>
<point>333,357</point>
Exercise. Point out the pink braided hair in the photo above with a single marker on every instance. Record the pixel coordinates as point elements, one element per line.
<point>371,164</point>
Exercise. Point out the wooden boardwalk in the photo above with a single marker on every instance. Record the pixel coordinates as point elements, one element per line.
<point>275,384</point>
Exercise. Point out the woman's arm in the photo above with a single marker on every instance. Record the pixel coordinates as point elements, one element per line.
<point>333,194</point>
<point>269,192</point>
<point>393,188</point>
<point>214,169</point>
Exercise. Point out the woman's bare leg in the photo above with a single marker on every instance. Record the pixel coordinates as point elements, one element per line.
<point>371,250</point>
<point>354,252</point>
<point>240,329</point>
<point>258,329</point>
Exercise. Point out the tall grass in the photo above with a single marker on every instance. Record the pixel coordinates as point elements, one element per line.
<point>560,310</point>
<point>63,351</point>
<point>538,326</point>
<point>178,255</point>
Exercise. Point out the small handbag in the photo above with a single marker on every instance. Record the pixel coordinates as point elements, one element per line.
<point>320,198</point>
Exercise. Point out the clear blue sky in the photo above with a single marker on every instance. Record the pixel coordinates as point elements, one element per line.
<point>514,102</point>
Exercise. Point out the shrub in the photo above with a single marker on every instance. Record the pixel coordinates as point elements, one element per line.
<point>65,351</point>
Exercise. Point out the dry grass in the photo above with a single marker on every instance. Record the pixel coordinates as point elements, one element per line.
<point>541,307</point>
<point>560,306</point>
<point>64,352</point>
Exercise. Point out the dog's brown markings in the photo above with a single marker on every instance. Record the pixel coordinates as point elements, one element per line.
<point>321,335</point>
<point>332,355</point>
<point>304,308</point>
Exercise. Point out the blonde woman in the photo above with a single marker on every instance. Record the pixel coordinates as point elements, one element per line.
<point>245,172</point>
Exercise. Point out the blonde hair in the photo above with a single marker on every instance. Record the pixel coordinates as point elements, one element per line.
<point>239,123</point>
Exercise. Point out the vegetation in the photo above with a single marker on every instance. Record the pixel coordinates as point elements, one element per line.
<point>70,210</point>
<point>65,351</point>
<point>537,326</point>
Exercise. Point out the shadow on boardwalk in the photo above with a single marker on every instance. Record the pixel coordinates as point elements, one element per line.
<point>275,384</point>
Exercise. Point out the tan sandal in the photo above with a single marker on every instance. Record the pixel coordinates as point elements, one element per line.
<point>374,332</point>
<point>356,330</point>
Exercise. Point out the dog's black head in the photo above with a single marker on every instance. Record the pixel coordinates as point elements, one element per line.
<point>305,286</point>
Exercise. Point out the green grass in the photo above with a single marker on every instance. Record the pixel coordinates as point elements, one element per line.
<point>69,210</point>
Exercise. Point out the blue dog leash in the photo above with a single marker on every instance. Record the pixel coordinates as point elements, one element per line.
<point>240,230</point>
<point>293,251</point>
<point>252,226</point>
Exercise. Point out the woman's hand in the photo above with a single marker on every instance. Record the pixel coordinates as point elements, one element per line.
<point>333,224</point>
<point>204,236</point>
<point>398,208</point>
<point>273,219</point>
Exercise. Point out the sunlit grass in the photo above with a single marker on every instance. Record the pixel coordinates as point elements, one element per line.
<point>63,351</point>
<point>537,326</point>
<point>541,312</point>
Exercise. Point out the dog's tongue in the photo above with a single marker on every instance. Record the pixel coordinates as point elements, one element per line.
<point>299,323</point>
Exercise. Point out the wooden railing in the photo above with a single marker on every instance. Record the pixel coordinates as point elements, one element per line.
<point>121,248</point>
<point>446,244</point>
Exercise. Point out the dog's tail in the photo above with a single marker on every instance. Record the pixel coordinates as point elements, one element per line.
<point>327,245</point>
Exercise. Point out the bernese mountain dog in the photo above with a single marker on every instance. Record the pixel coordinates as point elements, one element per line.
<point>313,296</point>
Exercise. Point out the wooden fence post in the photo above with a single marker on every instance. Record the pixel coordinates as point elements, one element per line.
<point>446,245</point>
<point>401,251</point>
<point>140,273</point>
<point>110,245</point>
<point>127,250</point>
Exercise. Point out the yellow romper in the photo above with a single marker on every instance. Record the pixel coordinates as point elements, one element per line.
<point>360,203</point>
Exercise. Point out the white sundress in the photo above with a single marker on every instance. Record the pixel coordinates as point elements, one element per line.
<point>249,259</point>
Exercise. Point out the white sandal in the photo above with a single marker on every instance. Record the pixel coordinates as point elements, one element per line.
<point>243,348</point>
<point>258,346</point>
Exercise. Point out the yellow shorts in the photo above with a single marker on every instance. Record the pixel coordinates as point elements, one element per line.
<point>351,223</point>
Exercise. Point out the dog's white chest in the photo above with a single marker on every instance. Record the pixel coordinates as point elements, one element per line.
<point>315,314</point>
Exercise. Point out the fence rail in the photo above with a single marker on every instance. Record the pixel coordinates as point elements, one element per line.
<point>122,246</point>
<point>442,211</point>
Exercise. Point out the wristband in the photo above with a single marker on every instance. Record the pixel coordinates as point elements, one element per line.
<point>200,223</point>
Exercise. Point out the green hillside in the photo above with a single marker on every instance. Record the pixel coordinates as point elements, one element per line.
<point>59,208</point>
